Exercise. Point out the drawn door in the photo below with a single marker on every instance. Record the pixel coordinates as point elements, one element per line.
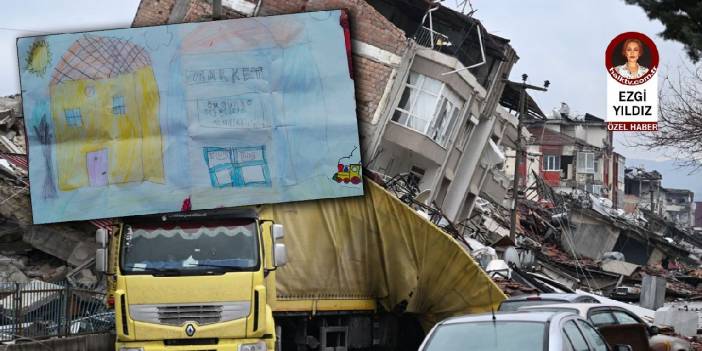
<point>97,167</point>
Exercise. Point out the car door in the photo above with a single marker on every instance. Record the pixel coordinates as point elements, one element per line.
<point>573,338</point>
<point>593,337</point>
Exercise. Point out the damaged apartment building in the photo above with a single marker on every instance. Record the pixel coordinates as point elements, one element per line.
<point>574,152</point>
<point>428,81</point>
<point>644,191</point>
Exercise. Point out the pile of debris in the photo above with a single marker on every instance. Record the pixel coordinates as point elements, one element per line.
<point>50,253</point>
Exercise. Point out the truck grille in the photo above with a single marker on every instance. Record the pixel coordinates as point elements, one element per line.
<point>179,314</point>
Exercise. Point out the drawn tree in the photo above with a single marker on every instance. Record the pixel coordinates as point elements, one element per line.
<point>43,132</point>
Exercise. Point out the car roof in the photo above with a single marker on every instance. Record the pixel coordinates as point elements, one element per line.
<point>582,308</point>
<point>505,316</point>
<point>549,296</point>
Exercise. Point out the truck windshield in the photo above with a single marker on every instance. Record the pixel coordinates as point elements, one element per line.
<point>190,248</point>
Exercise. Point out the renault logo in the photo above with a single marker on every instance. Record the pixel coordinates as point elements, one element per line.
<point>190,330</point>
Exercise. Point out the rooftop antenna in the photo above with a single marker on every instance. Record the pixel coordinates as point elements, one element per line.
<point>462,5</point>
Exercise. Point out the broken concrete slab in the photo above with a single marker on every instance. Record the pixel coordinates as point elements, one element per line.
<point>66,244</point>
<point>620,267</point>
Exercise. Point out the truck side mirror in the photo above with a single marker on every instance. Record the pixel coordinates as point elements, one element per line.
<point>101,237</point>
<point>101,260</point>
<point>278,232</point>
<point>281,255</point>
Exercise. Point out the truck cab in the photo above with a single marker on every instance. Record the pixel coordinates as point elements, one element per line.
<point>195,280</point>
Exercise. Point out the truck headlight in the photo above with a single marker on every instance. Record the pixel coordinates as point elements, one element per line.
<point>131,349</point>
<point>259,346</point>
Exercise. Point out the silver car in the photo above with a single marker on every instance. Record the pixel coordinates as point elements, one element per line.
<point>516,331</point>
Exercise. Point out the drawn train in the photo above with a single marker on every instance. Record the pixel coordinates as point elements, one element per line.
<point>348,173</point>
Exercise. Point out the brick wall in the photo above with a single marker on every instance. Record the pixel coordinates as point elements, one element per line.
<point>153,12</point>
<point>367,24</point>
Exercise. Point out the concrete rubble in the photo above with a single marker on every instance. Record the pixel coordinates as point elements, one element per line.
<point>47,252</point>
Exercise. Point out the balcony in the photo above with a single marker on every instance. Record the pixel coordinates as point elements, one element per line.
<point>433,40</point>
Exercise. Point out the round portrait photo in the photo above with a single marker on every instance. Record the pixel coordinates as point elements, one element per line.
<point>631,58</point>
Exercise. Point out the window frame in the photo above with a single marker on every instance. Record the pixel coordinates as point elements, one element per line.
<point>437,130</point>
<point>118,109</point>
<point>585,162</point>
<point>73,117</point>
<point>551,158</point>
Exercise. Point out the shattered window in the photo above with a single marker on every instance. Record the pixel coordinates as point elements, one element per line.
<point>428,106</point>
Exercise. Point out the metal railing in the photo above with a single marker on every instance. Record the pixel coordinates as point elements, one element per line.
<point>37,310</point>
<point>433,39</point>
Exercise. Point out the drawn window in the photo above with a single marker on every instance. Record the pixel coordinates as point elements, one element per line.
<point>73,118</point>
<point>428,106</point>
<point>237,167</point>
<point>118,105</point>
<point>586,162</point>
<point>552,162</point>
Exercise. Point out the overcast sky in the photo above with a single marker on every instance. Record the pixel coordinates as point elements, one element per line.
<point>32,17</point>
<point>564,41</point>
<point>559,40</point>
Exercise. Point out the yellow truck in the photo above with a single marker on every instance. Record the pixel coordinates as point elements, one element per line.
<point>364,273</point>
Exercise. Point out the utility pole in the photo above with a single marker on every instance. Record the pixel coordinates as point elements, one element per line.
<point>523,86</point>
<point>217,10</point>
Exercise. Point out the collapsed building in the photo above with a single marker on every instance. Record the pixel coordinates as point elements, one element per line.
<point>644,190</point>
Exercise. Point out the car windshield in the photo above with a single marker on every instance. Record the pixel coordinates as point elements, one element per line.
<point>513,305</point>
<point>488,336</point>
<point>190,248</point>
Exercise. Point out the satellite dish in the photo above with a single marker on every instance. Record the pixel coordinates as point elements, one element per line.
<point>512,256</point>
<point>423,196</point>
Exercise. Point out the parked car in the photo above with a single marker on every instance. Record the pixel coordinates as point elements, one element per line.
<point>602,315</point>
<point>514,303</point>
<point>512,331</point>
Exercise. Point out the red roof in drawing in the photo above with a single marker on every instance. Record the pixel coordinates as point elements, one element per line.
<point>95,57</point>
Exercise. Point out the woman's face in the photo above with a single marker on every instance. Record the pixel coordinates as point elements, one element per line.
<point>632,51</point>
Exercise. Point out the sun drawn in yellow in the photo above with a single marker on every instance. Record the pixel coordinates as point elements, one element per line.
<point>38,57</point>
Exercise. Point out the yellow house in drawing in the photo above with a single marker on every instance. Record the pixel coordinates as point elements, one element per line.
<point>105,112</point>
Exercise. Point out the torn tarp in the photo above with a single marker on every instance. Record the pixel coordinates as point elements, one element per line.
<point>376,247</point>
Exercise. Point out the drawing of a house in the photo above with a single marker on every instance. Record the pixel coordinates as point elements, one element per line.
<point>105,112</point>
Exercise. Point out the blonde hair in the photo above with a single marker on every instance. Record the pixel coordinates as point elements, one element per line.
<point>632,40</point>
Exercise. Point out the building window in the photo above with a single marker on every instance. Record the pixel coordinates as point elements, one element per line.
<point>428,106</point>
<point>552,162</point>
<point>586,162</point>
<point>73,118</point>
<point>118,105</point>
